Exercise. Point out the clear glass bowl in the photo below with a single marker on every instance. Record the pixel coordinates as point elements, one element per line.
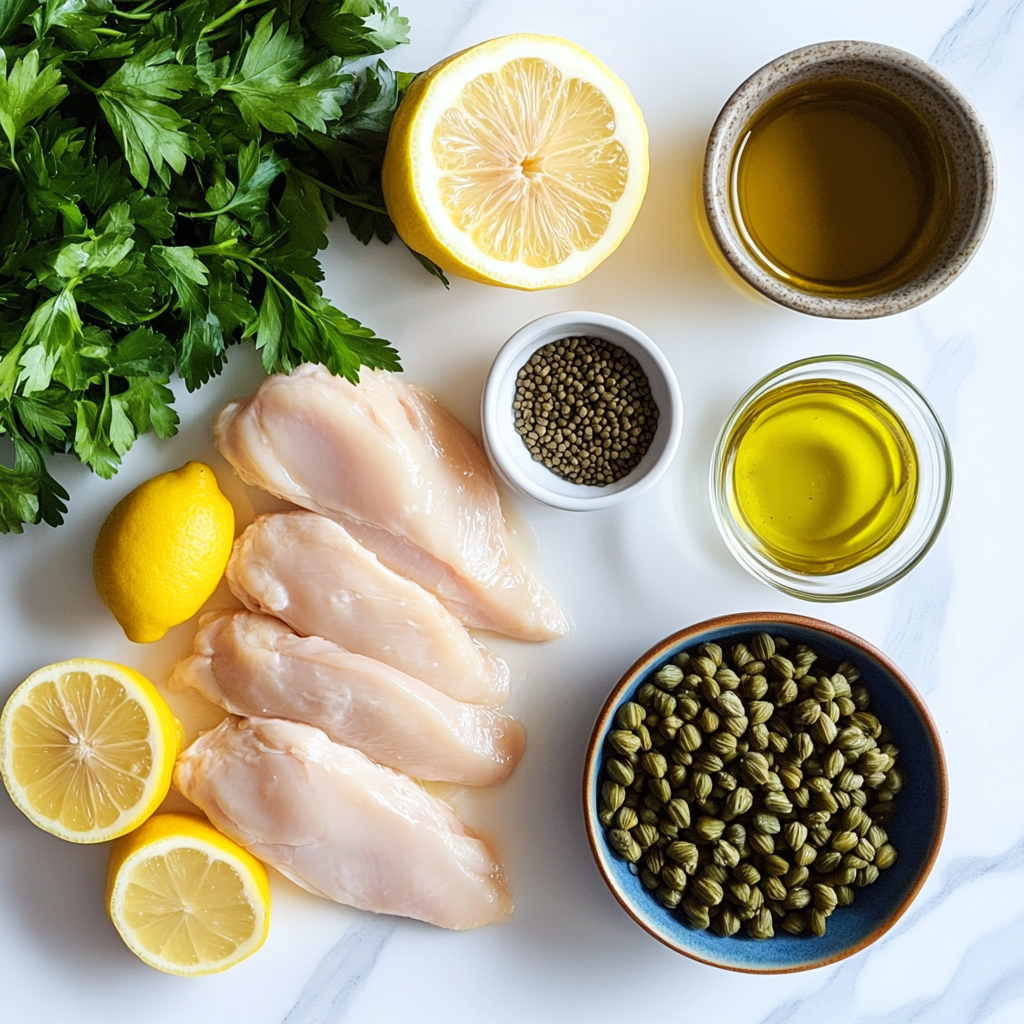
<point>935,483</point>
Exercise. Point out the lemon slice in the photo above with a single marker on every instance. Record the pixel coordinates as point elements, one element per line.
<point>185,898</point>
<point>87,749</point>
<point>521,162</point>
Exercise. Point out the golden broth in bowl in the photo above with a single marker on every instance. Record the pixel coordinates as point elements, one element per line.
<point>841,187</point>
<point>848,179</point>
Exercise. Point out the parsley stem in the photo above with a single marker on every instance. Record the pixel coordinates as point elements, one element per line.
<point>242,5</point>
<point>9,369</point>
<point>273,280</point>
<point>340,195</point>
<point>105,408</point>
<point>81,81</point>
<point>141,13</point>
<point>155,313</point>
<point>223,249</point>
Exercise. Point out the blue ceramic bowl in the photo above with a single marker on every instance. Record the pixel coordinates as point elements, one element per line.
<point>916,829</point>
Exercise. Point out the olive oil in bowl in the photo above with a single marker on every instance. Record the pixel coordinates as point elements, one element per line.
<point>831,478</point>
<point>840,188</point>
<point>823,474</point>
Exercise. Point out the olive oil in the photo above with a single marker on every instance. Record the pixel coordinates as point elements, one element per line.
<point>824,475</point>
<point>841,188</point>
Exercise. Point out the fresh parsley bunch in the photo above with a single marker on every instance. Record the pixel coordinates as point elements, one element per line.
<point>167,172</point>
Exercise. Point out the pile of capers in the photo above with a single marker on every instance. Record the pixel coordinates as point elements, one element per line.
<point>749,790</point>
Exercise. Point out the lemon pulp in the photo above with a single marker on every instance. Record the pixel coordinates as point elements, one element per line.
<point>218,918</point>
<point>824,475</point>
<point>185,898</point>
<point>87,749</point>
<point>521,161</point>
<point>530,167</point>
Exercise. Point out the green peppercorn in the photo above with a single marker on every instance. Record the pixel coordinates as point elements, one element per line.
<point>584,409</point>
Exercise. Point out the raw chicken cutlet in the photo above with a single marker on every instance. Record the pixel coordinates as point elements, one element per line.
<point>308,571</point>
<point>251,664</point>
<point>404,477</point>
<point>341,826</point>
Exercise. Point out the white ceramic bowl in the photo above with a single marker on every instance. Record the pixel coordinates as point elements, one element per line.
<point>511,458</point>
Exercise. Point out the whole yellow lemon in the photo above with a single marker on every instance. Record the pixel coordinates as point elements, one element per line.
<point>162,551</point>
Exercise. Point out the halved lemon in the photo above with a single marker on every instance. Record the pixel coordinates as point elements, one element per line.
<point>87,749</point>
<point>521,162</point>
<point>185,898</point>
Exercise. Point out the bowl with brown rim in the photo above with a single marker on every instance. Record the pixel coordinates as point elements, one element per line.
<point>915,831</point>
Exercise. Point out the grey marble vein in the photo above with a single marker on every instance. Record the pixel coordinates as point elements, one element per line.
<point>979,35</point>
<point>327,996</point>
<point>915,631</point>
<point>981,52</point>
<point>466,13</point>
<point>989,975</point>
<point>981,49</point>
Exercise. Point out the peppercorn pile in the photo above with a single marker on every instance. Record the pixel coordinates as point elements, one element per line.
<point>584,409</point>
<point>749,791</point>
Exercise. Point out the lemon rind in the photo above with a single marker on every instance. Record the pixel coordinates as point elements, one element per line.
<point>127,531</point>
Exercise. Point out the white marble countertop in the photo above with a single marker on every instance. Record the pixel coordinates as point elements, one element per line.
<point>628,576</point>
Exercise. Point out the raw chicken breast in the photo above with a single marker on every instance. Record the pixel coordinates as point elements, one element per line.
<point>308,571</point>
<point>341,826</point>
<point>405,478</point>
<point>252,664</point>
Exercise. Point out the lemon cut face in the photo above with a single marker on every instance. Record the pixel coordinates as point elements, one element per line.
<point>87,749</point>
<point>185,898</point>
<point>522,161</point>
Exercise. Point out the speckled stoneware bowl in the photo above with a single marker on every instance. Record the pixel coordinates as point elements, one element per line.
<point>924,89</point>
<point>916,829</point>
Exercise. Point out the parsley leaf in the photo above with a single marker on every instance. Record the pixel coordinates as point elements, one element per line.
<point>44,417</point>
<point>269,88</point>
<point>19,499</point>
<point>168,171</point>
<point>94,443</point>
<point>203,344</point>
<point>149,403</point>
<point>303,204</point>
<point>256,173</point>
<point>150,132</point>
<point>28,493</point>
<point>291,331</point>
<point>14,13</point>
<point>358,28</point>
<point>48,346</point>
<point>26,93</point>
